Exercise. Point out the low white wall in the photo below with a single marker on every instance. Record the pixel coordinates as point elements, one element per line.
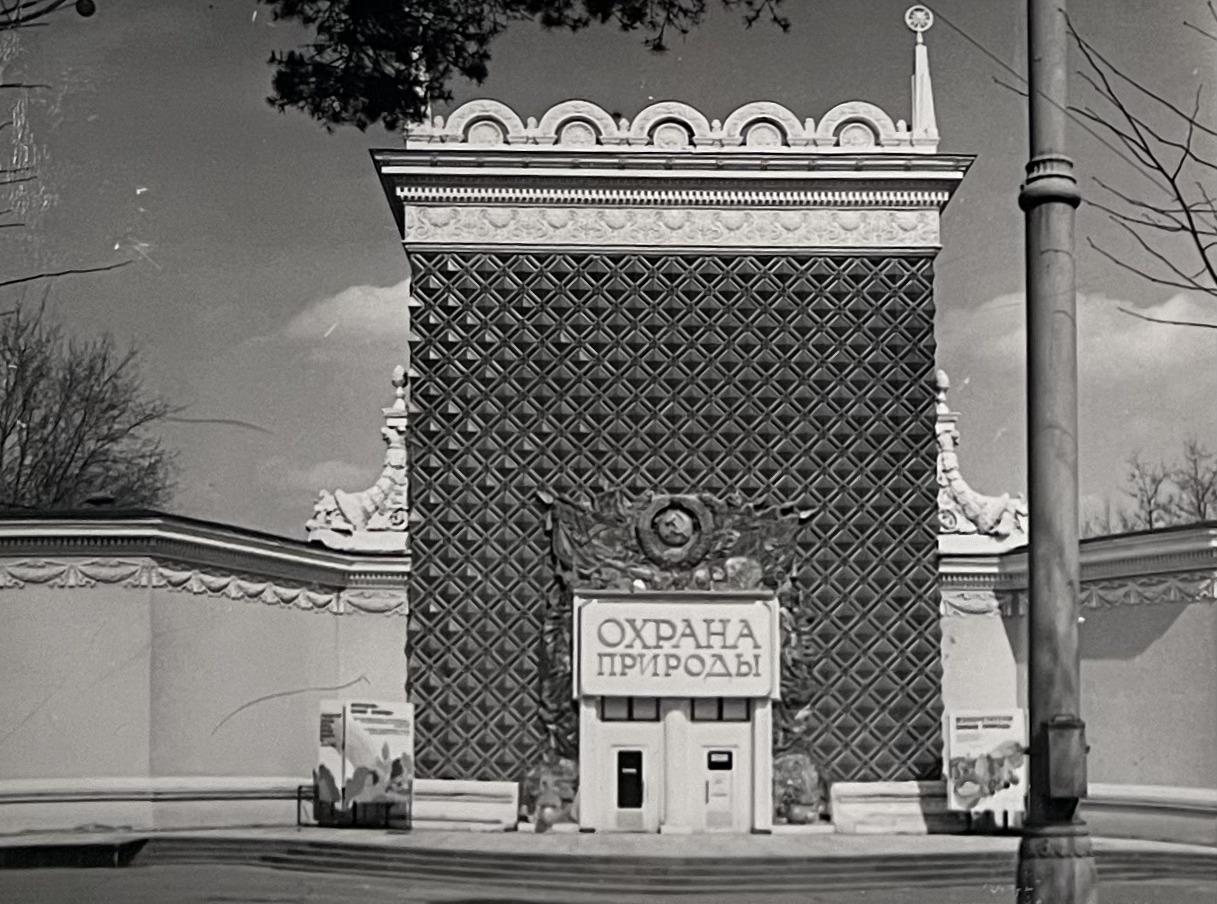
<point>1147,648</point>
<point>146,804</point>
<point>186,802</point>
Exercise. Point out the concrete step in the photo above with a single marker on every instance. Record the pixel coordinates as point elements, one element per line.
<point>668,874</point>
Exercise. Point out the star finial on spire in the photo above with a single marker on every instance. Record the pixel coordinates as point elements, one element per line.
<point>925,123</point>
<point>919,19</point>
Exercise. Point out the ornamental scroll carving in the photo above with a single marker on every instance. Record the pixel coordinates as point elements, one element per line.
<point>961,509</point>
<point>241,588</point>
<point>657,541</point>
<point>679,227</point>
<point>375,519</point>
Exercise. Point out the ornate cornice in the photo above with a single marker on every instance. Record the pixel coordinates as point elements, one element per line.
<point>760,179</point>
<point>753,229</point>
<point>1176,565</point>
<point>153,550</point>
<point>147,573</point>
<point>668,197</point>
<point>1145,590</point>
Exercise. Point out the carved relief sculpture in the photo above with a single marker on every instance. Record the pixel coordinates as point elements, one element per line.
<point>962,510</point>
<point>657,541</point>
<point>375,519</point>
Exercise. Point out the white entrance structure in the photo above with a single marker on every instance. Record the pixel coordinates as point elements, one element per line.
<point>675,726</point>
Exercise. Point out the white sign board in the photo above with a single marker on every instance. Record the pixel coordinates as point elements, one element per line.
<point>677,650</point>
<point>986,767</point>
<point>366,755</point>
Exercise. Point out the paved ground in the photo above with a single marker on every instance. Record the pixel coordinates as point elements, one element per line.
<point>625,845</point>
<point>247,885</point>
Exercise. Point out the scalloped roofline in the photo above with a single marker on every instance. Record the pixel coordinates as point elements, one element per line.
<point>852,127</point>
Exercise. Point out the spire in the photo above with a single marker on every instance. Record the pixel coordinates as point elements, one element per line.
<point>925,124</point>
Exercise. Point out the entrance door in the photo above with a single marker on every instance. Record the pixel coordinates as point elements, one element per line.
<point>635,789</point>
<point>720,800</point>
<point>720,766</point>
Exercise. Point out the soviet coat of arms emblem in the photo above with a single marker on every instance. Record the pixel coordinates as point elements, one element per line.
<point>675,530</point>
<point>665,541</point>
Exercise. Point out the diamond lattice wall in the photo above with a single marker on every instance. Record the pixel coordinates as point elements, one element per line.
<point>784,377</point>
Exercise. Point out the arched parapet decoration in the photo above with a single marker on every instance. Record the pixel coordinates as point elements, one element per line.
<point>856,125</point>
<point>774,126</point>
<point>577,123</point>
<point>658,122</point>
<point>477,121</point>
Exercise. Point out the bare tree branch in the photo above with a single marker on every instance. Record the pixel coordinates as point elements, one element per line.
<point>1196,479</point>
<point>76,420</point>
<point>17,14</point>
<point>1149,485</point>
<point>1208,326</point>
<point>1171,144</point>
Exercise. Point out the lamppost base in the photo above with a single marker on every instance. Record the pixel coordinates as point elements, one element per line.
<point>1056,865</point>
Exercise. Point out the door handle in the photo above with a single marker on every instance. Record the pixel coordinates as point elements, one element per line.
<point>707,793</point>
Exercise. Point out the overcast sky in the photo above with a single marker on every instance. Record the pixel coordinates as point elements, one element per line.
<point>266,286</point>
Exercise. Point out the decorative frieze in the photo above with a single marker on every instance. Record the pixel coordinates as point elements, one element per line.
<point>969,602</point>
<point>648,227</point>
<point>148,573</point>
<point>1143,590</point>
<point>1178,565</point>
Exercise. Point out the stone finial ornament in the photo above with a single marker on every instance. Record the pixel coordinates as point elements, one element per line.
<point>919,19</point>
<point>925,123</point>
<point>376,519</point>
<point>962,510</point>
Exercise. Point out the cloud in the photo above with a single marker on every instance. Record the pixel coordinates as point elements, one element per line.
<point>328,475</point>
<point>1142,387</point>
<point>1112,345</point>
<point>359,313</point>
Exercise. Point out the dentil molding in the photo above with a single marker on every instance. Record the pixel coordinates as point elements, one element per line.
<point>147,573</point>
<point>673,227</point>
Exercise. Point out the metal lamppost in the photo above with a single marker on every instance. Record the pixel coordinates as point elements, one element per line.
<point>1055,862</point>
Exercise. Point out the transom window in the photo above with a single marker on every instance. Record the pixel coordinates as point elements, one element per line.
<point>722,709</point>
<point>629,709</point>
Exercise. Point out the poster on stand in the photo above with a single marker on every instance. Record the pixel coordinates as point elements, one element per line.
<point>365,764</point>
<point>986,766</point>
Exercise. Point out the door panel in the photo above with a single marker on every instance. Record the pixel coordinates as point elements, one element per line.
<point>720,789</point>
<point>719,776</point>
<point>629,780</point>
<point>636,789</point>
